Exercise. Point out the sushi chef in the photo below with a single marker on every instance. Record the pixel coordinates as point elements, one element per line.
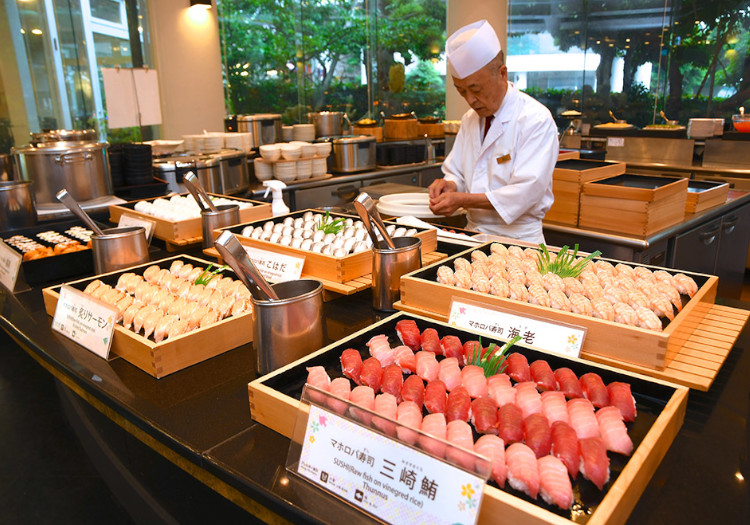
<point>500,167</point>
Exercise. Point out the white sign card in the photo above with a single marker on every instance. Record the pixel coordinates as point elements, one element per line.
<point>10,265</point>
<point>384,477</point>
<point>276,267</point>
<point>616,142</point>
<point>558,338</point>
<point>132,97</point>
<point>131,220</point>
<point>87,321</point>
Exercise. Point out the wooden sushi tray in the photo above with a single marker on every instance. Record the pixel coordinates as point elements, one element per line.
<point>704,194</point>
<point>180,233</point>
<point>173,354</point>
<point>338,270</point>
<point>568,179</point>
<point>274,402</point>
<point>689,351</point>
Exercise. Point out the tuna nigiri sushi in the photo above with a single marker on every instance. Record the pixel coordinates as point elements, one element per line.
<point>536,434</point>
<point>407,331</point>
<point>459,433</point>
<point>484,415</point>
<point>434,425</point>
<point>493,448</point>
<point>351,364</point>
<point>427,366</point>
<point>613,431</point>
<point>564,445</point>
<point>567,383</point>
<point>381,349</point>
<point>554,483</point>
<point>594,463</point>
<point>510,423</point>
<point>385,405</point>
<point>404,357</point>
<point>372,373</point>
<point>523,471</point>
<point>413,390</point>
<point>582,418</point>
<point>342,388</point>
<point>542,375</point>
<point>430,341</point>
<point>409,415</point>
<point>452,347</point>
<point>450,373</point>
<point>392,381</point>
<point>621,397</point>
<point>594,390</point>
<point>362,396</point>
<point>459,405</point>
<point>435,397</point>
<point>472,349</point>
<point>554,406</point>
<point>517,367</point>
<point>528,398</point>
<point>500,389</point>
<point>318,377</point>
<point>474,380</point>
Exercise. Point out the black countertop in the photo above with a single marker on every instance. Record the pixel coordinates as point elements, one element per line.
<point>199,419</point>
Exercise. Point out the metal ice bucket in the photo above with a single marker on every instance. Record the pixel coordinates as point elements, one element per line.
<point>389,265</point>
<point>119,248</point>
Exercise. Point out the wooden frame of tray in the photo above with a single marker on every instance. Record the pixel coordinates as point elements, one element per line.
<point>327,267</point>
<point>173,354</point>
<point>189,230</point>
<point>279,412</point>
<point>567,185</point>
<point>568,155</point>
<point>645,348</point>
<point>637,211</point>
<point>702,200</point>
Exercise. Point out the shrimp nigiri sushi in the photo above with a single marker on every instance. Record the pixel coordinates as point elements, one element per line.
<point>523,471</point>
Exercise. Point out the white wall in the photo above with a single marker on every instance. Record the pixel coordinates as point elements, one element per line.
<point>187,55</point>
<point>460,13</point>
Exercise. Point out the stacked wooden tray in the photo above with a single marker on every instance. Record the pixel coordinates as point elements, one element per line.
<point>188,231</point>
<point>400,129</point>
<point>703,194</point>
<point>172,354</point>
<point>274,402</point>
<point>331,270</point>
<point>690,350</point>
<point>633,204</point>
<point>567,182</point>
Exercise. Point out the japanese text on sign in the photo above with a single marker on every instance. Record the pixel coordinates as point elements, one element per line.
<point>85,320</point>
<point>10,263</point>
<point>276,267</point>
<point>552,337</point>
<point>384,477</point>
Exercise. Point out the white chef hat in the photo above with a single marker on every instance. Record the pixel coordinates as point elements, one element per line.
<point>471,48</point>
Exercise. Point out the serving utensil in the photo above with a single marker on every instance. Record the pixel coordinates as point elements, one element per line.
<point>365,200</point>
<point>666,120</point>
<point>235,255</point>
<point>362,212</point>
<point>68,200</point>
<point>196,190</point>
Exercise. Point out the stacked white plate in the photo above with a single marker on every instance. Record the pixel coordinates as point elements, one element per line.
<point>234,141</point>
<point>305,132</point>
<point>412,204</point>
<point>285,170</point>
<point>287,133</point>
<point>212,142</point>
<point>191,142</point>
<point>304,169</point>
<point>701,128</point>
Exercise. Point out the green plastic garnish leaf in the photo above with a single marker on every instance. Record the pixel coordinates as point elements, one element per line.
<point>493,361</point>
<point>564,263</point>
<point>329,225</point>
<point>206,275</point>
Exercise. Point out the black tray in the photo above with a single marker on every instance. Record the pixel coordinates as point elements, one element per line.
<point>699,186</point>
<point>637,181</point>
<point>651,398</point>
<point>54,267</point>
<point>581,164</point>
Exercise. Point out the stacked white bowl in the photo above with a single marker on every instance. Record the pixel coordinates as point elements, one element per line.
<point>319,166</point>
<point>290,151</point>
<point>287,133</point>
<point>285,170</point>
<point>263,170</point>
<point>304,169</point>
<point>304,132</point>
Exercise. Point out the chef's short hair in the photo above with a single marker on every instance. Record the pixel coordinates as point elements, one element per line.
<point>497,62</point>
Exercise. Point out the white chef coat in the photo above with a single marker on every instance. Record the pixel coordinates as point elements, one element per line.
<point>512,166</point>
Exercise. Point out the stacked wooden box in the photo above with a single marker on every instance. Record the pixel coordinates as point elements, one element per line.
<point>567,182</point>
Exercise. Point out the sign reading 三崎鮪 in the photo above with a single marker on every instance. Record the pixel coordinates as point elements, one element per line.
<point>276,267</point>
<point>85,320</point>
<point>10,264</point>
<point>384,477</point>
<point>558,338</point>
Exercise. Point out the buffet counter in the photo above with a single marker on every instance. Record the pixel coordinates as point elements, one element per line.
<point>198,420</point>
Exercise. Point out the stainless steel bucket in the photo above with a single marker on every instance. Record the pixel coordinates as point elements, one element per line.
<point>266,128</point>
<point>227,215</point>
<point>119,248</point>
<point>389,265</point>
<point>327,123</point>
<point>17,206</point>
<point>290,328</point>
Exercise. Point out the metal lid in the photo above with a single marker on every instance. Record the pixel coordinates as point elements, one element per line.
<point>259,116</point>
<point>353,139</point>
<point>64,135</point>
<point>58,147</point>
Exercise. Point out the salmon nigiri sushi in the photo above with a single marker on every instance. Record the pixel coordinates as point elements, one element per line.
<point>493,448</point>
<point>522,469</point>
<point>554,483</point>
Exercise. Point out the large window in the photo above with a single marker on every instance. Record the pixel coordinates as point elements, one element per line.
<point>359,56</point>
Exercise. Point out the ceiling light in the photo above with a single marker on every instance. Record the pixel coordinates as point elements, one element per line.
<point>204,4</point>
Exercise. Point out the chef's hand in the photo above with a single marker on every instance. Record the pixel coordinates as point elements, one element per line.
<point>440,186</point>
<point>446,203</point>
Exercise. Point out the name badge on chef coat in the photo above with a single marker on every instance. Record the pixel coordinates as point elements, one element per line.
<point>503,158</point>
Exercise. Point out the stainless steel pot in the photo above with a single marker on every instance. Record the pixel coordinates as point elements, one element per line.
<point>353,153</point>
<point>265,127</point>
<point>327,123</point>
<point>80,167</point>
<point>17,208</point>
<point>64,135</point>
